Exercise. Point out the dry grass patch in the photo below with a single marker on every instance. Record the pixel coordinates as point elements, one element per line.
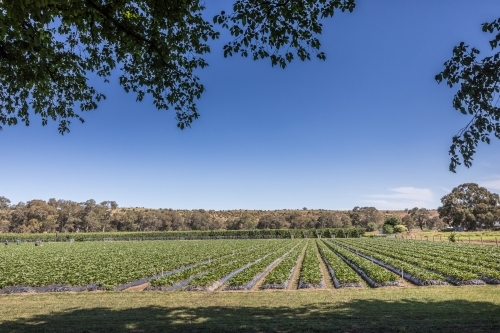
<point>444,309</point>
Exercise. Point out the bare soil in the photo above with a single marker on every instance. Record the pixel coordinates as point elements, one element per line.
<point>140,287</point>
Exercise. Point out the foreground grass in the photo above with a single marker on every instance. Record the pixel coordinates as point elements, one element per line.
<point>444,309</point>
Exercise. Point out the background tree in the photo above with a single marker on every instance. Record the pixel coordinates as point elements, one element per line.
<point>18,217</point>
<point>125,220</point>
<point>201,220</point>
<point>408,222</point>
<point>346,220</point>
<point>50,47</point>
<point>329,220</point>
<point>372,226</point>
<point>149,220</point>
<point>68,218</point>
<point>300,221</point>
<point>175,220</point>
<point>437,223</point>
<point>105,210</point>
<point>479,81</point>
<point>39,217</point>
<point>470,206</point>
<point>392,221</point>
<point>95,217</point>
<point>361,216</point>
<point>4,214</point>
<point>421,216</point>
<point>388,229</point>
<point>270,221</point>
<point>245,222</point>
<point>400,228</point>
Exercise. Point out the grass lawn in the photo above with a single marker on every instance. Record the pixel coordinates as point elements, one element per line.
<point>488,237</point>
<point>418,309</point>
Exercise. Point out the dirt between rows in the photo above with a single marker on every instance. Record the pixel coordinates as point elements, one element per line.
<point>140,287</point>
<point>327,279</point>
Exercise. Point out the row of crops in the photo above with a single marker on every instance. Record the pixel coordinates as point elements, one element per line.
<point>244,264</point>
<point>186,235</point>
<point>432,263</point>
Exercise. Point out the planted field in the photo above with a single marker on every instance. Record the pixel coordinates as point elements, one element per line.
<point>243,264</point>
<point>416,274</point>
<point>107,264</point>
<point>279,277</point>
<point>246,279</point>
<point>310,273</point>
<point>374,274</point>
<point>341,273</point>
<point>215,278</point>
<point>456,263</point>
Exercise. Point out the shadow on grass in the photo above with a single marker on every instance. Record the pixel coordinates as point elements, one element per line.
<point>353,316</point>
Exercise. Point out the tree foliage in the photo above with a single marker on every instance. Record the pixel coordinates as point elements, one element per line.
<point>90,216</point>
<point>388,229</point>
<point>271,221</point>
<point>48,48</point>
<point>478,94</point>
<point>4,214</point>
<point>436,223</point>
<point>421,216</point>
<point>408,222</point>
<point>371,226</point>
<point>363,215</point>
<point>278,29</point>
<point>470,206</point>
<point>400,228</point>
<point>392,221</point>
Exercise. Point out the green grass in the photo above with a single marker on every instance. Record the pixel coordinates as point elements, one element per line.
<point>430,309</point>
<point>475,236</point>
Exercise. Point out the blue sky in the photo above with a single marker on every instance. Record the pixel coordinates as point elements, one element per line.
<point>367,127</point>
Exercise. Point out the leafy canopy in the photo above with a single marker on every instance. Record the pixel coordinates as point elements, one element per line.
<point>48,48</point>
<point>470,206</point>
<point>392,221</point>
<point>478,95</point>
<point>420,216</point>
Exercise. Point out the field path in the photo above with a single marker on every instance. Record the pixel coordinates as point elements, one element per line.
<point>140,287</point>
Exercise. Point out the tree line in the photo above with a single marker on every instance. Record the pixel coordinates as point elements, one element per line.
<point>468,205</point>
<point>38,216</point>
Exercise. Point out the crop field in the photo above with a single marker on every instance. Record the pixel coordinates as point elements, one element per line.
<point>256,265</point>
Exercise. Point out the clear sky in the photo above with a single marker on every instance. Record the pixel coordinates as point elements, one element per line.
<point>367,127</point>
